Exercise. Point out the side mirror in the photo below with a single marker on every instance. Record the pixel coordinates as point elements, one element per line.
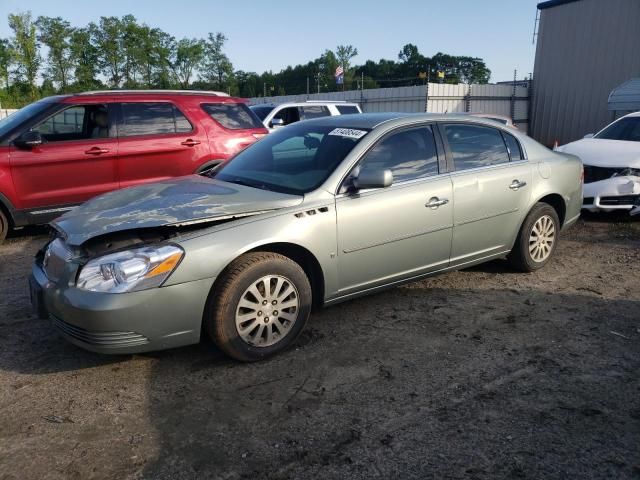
<point>373,179</point>
<point>277,122</point>
<point>28,139</point>
<point>589,135</point>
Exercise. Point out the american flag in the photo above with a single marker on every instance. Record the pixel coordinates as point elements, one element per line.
<point>339,71</point>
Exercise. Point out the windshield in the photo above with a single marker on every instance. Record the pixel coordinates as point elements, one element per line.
<point>295,160</point>
<point>624,129</point>
<point>14,120</point>
<point>261,110</point>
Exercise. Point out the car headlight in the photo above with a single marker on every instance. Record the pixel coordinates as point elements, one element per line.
<point>130,270</point>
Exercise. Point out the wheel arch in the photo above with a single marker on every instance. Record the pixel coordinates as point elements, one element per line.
<point>299,254</point>
<point>557,202</point>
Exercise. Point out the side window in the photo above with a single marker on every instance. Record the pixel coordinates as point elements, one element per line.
<point>288,115</point>
<point>315,111</point>
<point>409,154</point>
<point>79,122</point>
<point>474,146</point>
<point>514,147</point>
<point>152,118</point>
<point>347,109</point>
<point>233,115</point>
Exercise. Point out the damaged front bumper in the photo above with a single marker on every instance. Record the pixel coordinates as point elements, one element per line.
<point>616,193</point>
<point>121,323</point>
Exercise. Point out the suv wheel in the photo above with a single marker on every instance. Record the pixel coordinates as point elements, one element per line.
<point>260,307</point>
<point>4,226</point>
<point>537,239</point>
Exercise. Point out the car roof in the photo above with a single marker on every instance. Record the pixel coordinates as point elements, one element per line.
<point>372,120</point>
<point>142,94</point>
<point>338,103</point>
<point>634,114</point>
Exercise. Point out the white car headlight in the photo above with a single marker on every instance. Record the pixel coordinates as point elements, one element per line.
<point>130,270</point>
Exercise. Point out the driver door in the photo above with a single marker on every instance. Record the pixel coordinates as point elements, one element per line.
<point>76,161</point>
<point>396,233</point>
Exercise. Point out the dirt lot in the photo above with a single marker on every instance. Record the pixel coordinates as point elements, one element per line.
<point>477,374</point>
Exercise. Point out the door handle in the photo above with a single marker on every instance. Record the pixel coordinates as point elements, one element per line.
<point>96,151</point>
<point>435,202</point>
<point>190,143</point>
<point>516,184</point>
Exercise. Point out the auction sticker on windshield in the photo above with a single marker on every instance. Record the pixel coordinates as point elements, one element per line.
<point>348,132</point>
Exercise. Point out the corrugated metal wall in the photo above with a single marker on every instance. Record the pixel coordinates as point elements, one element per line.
<point>585,49</point>
<point>5,112</point>
<point>495,99</point>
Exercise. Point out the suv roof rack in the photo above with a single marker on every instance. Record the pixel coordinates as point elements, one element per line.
<point>151,91</point>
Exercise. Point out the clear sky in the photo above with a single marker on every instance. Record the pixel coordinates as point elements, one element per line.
<point>271,34</point>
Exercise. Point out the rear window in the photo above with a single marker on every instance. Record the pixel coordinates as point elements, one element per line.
<point>235,116</point>
<point>347,109</point>
<point>152,118</point>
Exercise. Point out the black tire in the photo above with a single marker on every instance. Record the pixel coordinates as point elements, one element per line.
<point>4,226</point>
<point>224,303</point>
<point>521,257</point>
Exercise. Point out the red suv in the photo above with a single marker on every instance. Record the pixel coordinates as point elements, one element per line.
<point>60,151</point>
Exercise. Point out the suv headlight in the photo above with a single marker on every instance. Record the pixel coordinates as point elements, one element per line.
<point>130,270</point>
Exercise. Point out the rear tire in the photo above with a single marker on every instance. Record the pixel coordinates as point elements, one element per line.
<point>4,226</point>
<point>260,306</point>
<point>536,240</point>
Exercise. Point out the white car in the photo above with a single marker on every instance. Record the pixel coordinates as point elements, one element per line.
<point>278,115</point>
<point>611,161</point>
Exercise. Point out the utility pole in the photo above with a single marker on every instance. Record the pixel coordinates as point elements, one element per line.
<point>307,87</point>
<point>264,89</point>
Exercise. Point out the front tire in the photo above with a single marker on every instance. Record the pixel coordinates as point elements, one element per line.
<point>260,306</point>
<point>536,240</point>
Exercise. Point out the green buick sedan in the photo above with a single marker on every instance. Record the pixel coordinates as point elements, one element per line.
<point>316,213</point>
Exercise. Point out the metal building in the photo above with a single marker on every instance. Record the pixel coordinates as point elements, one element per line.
<point>585,49</point>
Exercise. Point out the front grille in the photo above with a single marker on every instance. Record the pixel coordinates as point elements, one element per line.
<point>55,259</point>
<point>587,201</point>
<point>595,174</point>
<point>100,339</point>
<point>621,200</point>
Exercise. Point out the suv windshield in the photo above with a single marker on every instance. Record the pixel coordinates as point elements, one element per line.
<point>261,110</point>
<point>625,129</point>
<point>14,120</point>
<point>294,160</point>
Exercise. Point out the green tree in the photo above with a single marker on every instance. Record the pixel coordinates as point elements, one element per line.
<point>5,62</point>
<point>56,33</point>
<point>24,51</point>
<point>85,57</point>
<point>216,67</point>
<point>186,58</point>
<point>107,38</point>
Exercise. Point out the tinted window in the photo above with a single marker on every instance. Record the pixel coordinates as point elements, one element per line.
<point>625,129</point>
<point>233,115</point>
<point>261,110</point>
<point>288,115</point>
<point>152,119</point>
<point>409,154</point>
<point>315,111</point>
<point>14,120</point>
<point>78,122</point>
<point>296,159</point>
<point>473,146</point>
<point>514,147</point>
<point>347,109</point>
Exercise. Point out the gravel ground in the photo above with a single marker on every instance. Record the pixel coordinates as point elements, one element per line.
<point>478,374</point>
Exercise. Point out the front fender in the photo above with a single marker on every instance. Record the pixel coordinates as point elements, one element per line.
<point>207,255</point>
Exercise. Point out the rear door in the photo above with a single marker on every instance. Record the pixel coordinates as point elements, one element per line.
<point>491,189</point>
<point>76,161</point>
<point>157,141</point>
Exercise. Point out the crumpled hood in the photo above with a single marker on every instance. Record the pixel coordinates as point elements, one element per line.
<point>605,153</point>
<point>172,202</point>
